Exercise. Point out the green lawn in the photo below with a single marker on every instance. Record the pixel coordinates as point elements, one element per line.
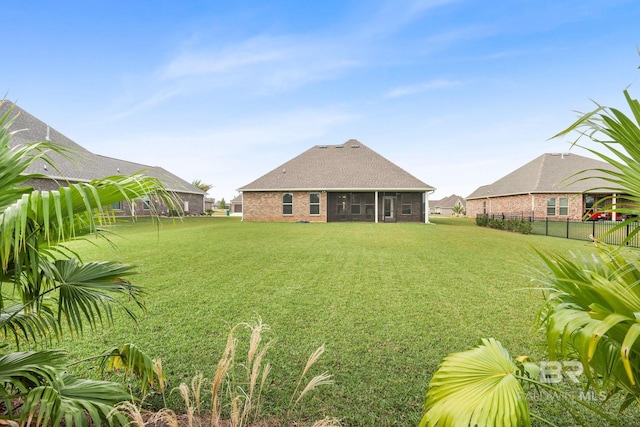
<point>388,300</point>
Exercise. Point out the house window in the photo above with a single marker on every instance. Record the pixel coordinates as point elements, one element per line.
<point>564,206</point>
<point>117,206</point>
<point>146,203</point>
<point>369,207</point>
<point>406,204</point>
<point>314,204</point>
<point>551,206</point>
<point>589,201</point>
<point>287,204</point>
<point>186,206</point>
<point>355,204</point>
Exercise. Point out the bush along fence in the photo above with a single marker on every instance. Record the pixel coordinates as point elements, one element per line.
<point>569,228</point>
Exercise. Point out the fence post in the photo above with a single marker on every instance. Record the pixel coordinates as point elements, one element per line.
<point>546,226</point>
<point>627,244</point>
<point>567,227</point>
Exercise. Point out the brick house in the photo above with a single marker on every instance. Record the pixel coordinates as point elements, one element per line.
<point>545,187</point>
<point>81,165</point>
<point>327,183</point>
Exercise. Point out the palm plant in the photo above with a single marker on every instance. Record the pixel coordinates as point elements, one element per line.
<point>45,288</point>
<point>458,209</point>
<point>590,312</point>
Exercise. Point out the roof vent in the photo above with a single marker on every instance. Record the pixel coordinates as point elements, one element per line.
<point>355,146</point>
<point>48,137</point>
<point>339,146</point>
<point>322,146</point>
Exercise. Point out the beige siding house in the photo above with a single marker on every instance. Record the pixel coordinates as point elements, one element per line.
<point>236,205</point>
<point>545,187</point>
<point>446,206</point>
<point>327,183</point>
<point>81,165</point>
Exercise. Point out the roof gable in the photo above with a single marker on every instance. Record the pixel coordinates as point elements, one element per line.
<point>548,173</point>
<point>79,165</point>
<point>349,166</point>
<point>449,202</point>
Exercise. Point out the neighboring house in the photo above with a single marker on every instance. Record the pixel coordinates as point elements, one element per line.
<point>445,206</point>
<point>346,182</point>
<point>80,165</point>
<point>545,187</point>
<point>236,205</point>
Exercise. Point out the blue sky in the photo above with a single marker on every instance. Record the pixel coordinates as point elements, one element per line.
<point>457,92</point>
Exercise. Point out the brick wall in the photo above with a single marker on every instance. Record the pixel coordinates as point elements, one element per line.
<point>267,206</point>
<point>525,204</point>
<point>195,200</point>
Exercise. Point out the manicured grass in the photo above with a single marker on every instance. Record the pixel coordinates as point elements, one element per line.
<point>388,300</point>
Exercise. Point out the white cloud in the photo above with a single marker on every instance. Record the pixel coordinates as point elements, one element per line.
<point>255,51</point>
<point>264,62</point>
<point>422,87</point>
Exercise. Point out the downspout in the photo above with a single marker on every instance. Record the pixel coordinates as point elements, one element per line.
<point>533,206</point>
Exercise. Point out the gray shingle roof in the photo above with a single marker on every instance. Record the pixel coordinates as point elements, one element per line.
<point>347,167</point>
<point>549,173</point>
<point>82,165</point>
<point>448,202</point>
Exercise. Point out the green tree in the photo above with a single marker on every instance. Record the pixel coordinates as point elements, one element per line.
<point>46,289</point>
<point>223,204</point>
<point>591,305</point>
<point>201,185</point>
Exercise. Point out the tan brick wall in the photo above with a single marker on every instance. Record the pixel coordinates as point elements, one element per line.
<point>267,206</point>
<point>524,204</point>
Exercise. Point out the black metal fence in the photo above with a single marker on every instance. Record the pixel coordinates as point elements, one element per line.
<point>576,229</point>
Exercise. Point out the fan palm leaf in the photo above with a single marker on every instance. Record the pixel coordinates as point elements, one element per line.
<point>476,387</point>
<point>85,291</point>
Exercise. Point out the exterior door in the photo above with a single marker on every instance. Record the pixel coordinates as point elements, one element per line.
<point>389,208</point>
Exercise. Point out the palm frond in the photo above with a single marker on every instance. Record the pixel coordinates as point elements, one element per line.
<point>22,371</point>
<point>86,291</point>
<point>592,306</point>
<point>63,214</point>
<point>476,387</point>
<point>21,324</point>
<point>76,402</point>
<point>620,136</point>
<point>133,361</point>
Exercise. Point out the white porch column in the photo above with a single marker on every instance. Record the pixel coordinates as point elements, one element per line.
<point>426,207</point>
<point>614,215</point>
<point>376,208</point>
